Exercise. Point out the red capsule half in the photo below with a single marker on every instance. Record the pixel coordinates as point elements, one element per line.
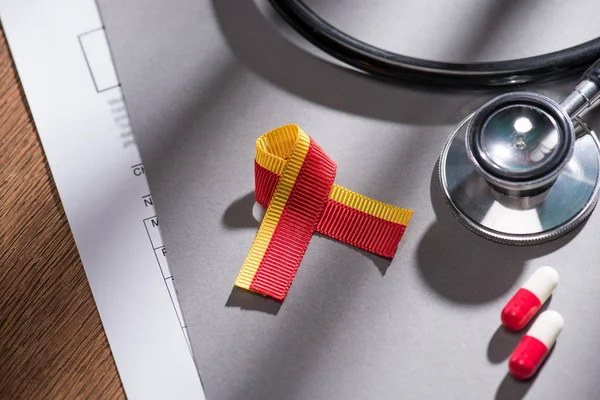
<point>529,298</point>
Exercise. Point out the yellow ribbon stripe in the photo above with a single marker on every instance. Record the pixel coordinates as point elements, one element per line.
<point>370,206</point>
<point>283,150</point>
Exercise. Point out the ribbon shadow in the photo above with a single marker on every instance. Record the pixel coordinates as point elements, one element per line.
<point>247,300</point>
<point>239,213</point>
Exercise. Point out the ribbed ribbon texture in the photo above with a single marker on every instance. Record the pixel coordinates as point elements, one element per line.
<point>294,181</point>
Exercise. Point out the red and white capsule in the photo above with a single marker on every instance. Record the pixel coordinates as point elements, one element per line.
<point>535,345</point>
<point>529,298</point>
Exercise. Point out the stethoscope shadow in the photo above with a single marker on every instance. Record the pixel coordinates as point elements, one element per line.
<point>465,268</point>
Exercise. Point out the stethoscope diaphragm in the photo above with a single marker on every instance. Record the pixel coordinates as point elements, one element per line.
<point>517,171</point>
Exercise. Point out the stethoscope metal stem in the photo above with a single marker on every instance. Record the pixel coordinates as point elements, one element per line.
<point>585,94</point>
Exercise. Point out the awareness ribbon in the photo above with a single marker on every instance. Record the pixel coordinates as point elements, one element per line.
<point>294,181</point>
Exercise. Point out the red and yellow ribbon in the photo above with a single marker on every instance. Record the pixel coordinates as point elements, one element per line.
<point>294,181</point>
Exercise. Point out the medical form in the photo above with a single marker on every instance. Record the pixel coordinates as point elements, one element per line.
<point>65,66</point>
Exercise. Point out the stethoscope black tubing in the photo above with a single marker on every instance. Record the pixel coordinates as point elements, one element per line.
<point>482,75</point>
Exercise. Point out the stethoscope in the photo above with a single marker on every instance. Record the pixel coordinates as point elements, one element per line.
<point>523,168</point>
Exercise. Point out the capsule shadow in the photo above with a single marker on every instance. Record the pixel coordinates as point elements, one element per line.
<point>514,389</point>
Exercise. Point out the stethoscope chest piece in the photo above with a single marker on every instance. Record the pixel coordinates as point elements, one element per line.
<point>518,172</point>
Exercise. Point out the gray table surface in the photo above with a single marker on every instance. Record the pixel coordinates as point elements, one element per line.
<point>203,80</point>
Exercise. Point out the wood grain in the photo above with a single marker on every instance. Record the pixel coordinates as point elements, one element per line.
<point>52,344</point>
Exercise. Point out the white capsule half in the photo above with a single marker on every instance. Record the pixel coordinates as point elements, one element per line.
<point>547,327</point>
<point>542,283</point>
